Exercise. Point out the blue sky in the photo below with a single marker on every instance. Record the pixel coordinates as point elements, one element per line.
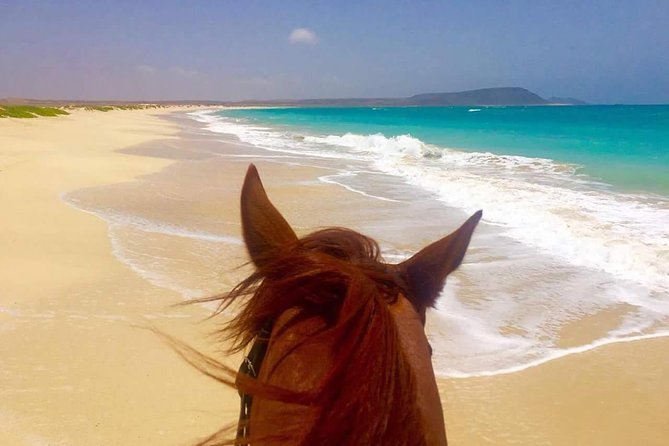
<point>600,51</point>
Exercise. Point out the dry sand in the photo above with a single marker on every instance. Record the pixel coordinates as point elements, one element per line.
<point>75,371</point>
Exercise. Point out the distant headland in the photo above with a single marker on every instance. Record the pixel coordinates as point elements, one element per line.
<point>482,97</point>
<point>485,96</point>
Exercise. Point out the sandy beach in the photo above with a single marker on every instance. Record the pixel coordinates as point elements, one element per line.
<point>75,368</point>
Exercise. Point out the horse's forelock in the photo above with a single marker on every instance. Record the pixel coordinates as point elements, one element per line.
<point>344,244</point>
<point>337,274</point>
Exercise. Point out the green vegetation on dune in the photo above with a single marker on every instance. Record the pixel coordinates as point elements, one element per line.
<point>102,108</point>
<point>29,111</point>
<point>33,111</point>
<point>106,108</point>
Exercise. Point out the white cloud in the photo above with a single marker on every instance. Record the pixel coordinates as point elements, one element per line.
<point>303,36</point>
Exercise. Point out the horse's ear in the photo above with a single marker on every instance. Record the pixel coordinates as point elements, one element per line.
<point>264,228</point>
<point>425,272</point>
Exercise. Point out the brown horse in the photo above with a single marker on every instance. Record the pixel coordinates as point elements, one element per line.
<point>347,361</point>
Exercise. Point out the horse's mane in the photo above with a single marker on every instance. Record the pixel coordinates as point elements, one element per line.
<point>368,396</point>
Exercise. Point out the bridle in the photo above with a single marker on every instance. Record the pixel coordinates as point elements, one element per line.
<point>251,367</point>
<point>253,361</point>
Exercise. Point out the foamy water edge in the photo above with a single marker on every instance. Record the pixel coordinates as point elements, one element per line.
<point>405,147</point>
<point>370,148</point>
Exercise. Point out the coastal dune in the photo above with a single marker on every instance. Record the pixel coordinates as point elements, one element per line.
<point>77,369</point>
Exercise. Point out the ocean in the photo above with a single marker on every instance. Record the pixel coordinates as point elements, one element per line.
<point>624,146</point>
<point>572,252</point>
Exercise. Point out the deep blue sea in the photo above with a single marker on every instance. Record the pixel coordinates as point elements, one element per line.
<point>573,249</point>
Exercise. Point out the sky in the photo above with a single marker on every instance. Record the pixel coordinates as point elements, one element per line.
<point>599,51</point>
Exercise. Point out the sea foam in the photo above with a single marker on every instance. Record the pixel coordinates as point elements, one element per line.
<point>540,202</point>
<point>613,244</point>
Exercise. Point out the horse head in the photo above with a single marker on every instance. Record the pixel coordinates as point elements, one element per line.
<point>347,361</point>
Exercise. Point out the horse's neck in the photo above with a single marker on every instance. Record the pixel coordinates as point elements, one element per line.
<point>293,364</point>
<point>416,348</point>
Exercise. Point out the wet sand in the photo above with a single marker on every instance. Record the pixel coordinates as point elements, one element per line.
<point>612,395</point>
<point>76,371</point>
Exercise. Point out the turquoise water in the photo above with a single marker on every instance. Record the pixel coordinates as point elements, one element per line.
<point>625,146</point>
<point>575,207</point>
<point>556,253</point>
<point>587,184</point>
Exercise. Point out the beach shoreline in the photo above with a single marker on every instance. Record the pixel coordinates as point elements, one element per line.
<point>78,373</point>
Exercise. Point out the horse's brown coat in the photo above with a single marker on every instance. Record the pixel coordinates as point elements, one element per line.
<point>348,360</point>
